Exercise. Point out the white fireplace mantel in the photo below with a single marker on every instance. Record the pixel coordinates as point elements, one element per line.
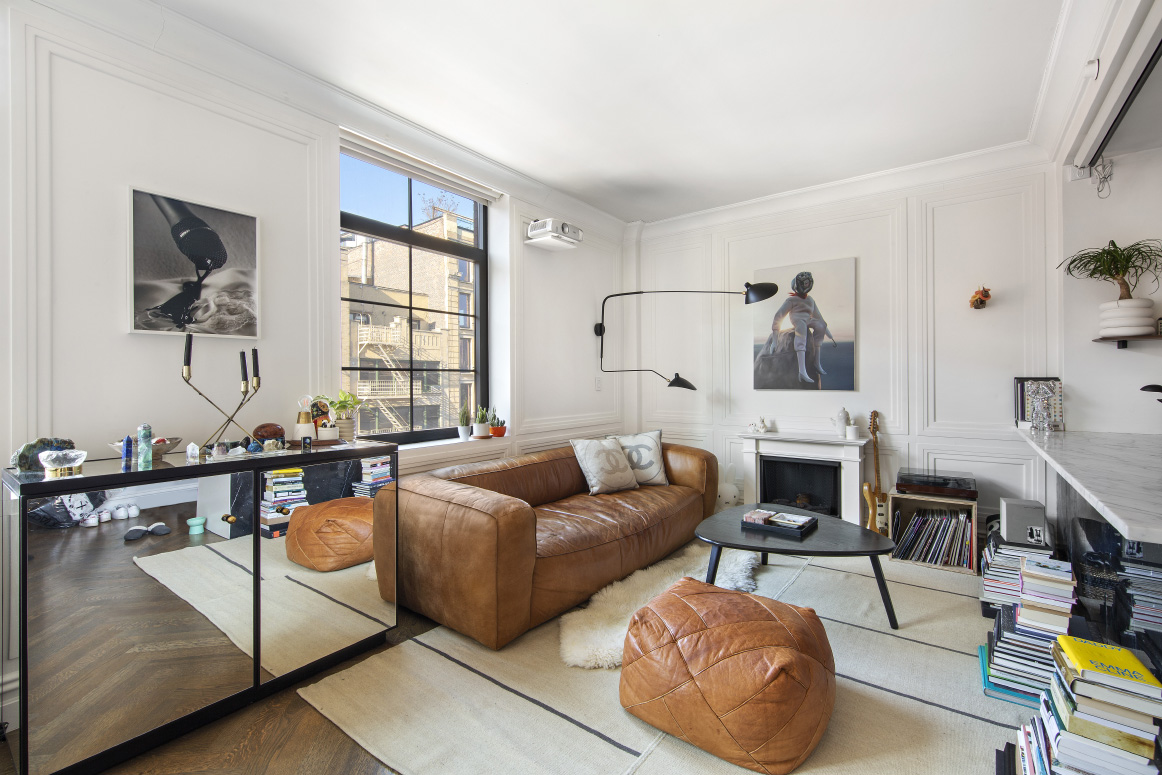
<point>849,453</point>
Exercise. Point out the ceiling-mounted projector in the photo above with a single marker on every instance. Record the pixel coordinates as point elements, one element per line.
<point>552,234</point>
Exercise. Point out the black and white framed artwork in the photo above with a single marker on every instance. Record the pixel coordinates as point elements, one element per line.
<point>193,268</point>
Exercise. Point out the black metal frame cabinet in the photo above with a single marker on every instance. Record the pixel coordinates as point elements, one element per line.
<point>101,475</point>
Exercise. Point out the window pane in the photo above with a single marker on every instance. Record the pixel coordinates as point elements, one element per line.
<point>375,336</point>
<point>437,341</point>
<point>439,281</point>
<point>386,407</point>
<point>373,269</point>
<point>443,214</point>
<point>437,401</point>
<point>373,192</point>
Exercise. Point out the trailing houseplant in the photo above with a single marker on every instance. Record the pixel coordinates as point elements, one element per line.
<point>1124,266</point>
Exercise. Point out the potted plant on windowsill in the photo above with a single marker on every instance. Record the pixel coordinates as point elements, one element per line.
<point>344,408</point>
<point>495,424</point>
<point>480,428</point>
<point>1125,267</point>
<point>465,427</point>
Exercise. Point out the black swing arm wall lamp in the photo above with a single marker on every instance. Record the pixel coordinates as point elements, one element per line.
<point>753,293</point>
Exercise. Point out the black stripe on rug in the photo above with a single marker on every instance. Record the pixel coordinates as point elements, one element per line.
<point>890,581</point>
<point>227,559</point>
<point>533,700</point>
<point>338,602</point>
<point>926,702</point>
<point>973,655</point>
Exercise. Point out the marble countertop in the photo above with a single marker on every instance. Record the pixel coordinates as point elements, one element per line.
<point>814,438</point>
<point>1120,474</point>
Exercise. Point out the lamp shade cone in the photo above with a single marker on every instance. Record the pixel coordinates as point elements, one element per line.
<point>1153,389</point>
<point>679,382</point>
<point>760,291</point>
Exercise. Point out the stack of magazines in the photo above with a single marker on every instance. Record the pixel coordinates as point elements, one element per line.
<point>793,525</point>
<point>1001,568</point>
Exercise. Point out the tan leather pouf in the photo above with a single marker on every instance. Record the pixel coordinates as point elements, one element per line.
<point>746,678</point>
<point>331,535</point>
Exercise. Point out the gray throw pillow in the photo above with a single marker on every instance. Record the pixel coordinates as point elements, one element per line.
<point>604,465</point>
<point>644,453</point>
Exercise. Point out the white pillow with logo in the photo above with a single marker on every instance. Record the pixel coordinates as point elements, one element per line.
<point>644,453</point>
<point>604,465</point>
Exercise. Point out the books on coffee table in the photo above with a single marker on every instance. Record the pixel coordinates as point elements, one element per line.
<point>792,525</point>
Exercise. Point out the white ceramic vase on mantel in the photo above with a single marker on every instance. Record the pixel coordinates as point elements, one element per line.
<point>481,429</point>
<point>1126,317</point>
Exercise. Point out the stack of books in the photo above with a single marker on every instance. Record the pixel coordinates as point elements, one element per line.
<point>284,493</point>
<point>1142,583</point>
<point>1016,665</point>
<point>937,537</point>
<point>1001,569</point>
<point>1097,717</point>
<point>1047,595</point>
<point>376,473</point>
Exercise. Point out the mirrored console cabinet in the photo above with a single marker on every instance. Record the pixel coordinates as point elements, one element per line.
<point>124,644</point>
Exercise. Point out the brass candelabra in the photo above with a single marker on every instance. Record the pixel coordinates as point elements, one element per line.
<point>249,387</point>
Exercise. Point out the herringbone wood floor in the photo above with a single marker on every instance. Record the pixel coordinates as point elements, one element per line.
<point>93,606</point>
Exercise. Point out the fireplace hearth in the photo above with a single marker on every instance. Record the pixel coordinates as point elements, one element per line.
<point>806,484</point>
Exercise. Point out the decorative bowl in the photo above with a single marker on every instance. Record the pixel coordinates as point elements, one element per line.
<point>162,446</point>
<point>62,458</point>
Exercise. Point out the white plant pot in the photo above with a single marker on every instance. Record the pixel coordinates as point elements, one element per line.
<point>1126,317</point>
<point>481,429</point>
<point>465,432</point>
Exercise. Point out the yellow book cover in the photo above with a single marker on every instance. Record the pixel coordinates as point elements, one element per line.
<point>284,472</point>
<point>1110,665</point>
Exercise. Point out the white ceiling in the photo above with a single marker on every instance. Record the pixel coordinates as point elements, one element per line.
<point>649,109</point>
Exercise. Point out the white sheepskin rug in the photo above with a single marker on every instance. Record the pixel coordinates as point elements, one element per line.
<point>593,636</point>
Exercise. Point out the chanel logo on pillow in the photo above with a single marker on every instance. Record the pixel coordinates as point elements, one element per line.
<point>644,453</point>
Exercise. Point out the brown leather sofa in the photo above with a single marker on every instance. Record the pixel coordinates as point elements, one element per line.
<point>494,549</point>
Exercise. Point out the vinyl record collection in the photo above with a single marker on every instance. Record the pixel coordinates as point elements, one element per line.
<point>936,536</point>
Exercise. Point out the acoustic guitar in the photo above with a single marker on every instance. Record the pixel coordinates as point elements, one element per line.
<point>877,499</point>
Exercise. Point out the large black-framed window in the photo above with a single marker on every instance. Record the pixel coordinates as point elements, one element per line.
<point>414,279</point>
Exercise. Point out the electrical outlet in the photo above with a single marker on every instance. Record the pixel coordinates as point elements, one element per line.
<point>597,384</point>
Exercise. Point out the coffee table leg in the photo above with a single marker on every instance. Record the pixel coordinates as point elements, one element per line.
<point>764,558</point>
<point>712,569</point>
<point>875,561</point>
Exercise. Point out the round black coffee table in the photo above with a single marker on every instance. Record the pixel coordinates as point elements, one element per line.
<point>832,538</point>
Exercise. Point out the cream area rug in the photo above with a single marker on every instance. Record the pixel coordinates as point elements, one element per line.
<point>592,637</point>
<point>306,614</point>
<point>907,701</point>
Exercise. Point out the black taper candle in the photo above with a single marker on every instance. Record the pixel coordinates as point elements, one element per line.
<point>254,361</point>
<point>189,349</point>
<point>242,359</point>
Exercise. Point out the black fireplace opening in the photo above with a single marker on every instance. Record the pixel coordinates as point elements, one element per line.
<point>806,484</point>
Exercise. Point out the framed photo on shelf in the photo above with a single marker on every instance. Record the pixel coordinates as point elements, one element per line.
<point>1023,402</point>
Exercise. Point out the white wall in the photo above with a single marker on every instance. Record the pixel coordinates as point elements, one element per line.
<point>1101,382</point>
<point>112,97</point>
<point>939,372</point>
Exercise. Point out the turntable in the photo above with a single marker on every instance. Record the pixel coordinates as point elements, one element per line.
<point>923,481</point>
